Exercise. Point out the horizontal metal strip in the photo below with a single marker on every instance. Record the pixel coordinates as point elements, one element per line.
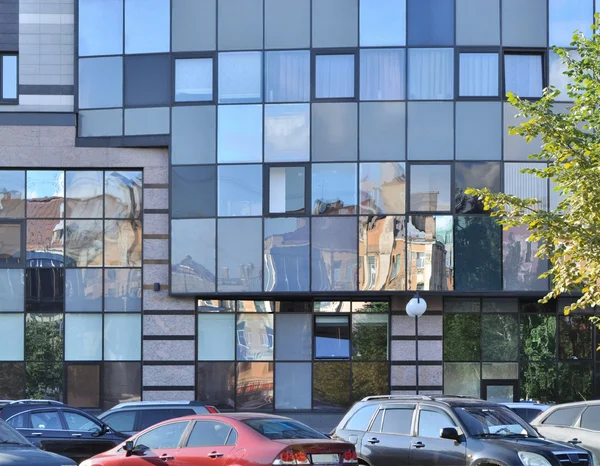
<point>170,388</point>
<point>169,337</point>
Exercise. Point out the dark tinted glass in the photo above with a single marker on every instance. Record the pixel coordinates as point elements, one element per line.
<point>44,336</point>
<point>123,243</point>
<point>360,419</point>
<point>563,416</point>
<point>254,385</point>
<point>430,22</point>
<point>11,249</point>
<point>462,337</point>
<point>165,436</point>
<point>83,385</point>
<point>122,382</point>
<point>369,378</point>
<point>147,80</point>
<point>398,421</point>
<point>474,175</point>
<point>575,382</point>
<point>332,337</point>
<point>575,338</point>
<point>500,337</point>
<point>209,434</point>
<point>121,421</point>
<point>45,381</point>
<point>84,194</point>
<point>240,190</point>
<point>216,384</point>
<point>276,429</point>
<point>369,337</point>
<point>331,385</point>
<point>478,249</point>
<point>194,192</point>
<point>44,289</point>
<point>84,243</point>
<point>537,381</point>
<point>12,193</point>
<point>123,194</point>
<point>538,337</point>
<point>591,418</point>
<point>12,380</point>
<point>149,417</point>
<point>240,256</point>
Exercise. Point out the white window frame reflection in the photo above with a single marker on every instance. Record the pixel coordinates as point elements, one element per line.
<point>9,78</point>
<point>267,209</point>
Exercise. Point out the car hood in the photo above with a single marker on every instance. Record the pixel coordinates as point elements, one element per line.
<point>534,445</point>
<point>30,456</point>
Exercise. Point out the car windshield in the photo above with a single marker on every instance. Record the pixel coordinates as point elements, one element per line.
<point>9,436</point>
<point>279,429</point>
<point>492,421</point>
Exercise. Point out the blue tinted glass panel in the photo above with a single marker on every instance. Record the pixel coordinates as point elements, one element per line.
<point>147,26</point>
<point>9,77</point>
<point>430,22</point>
<point>240,133</point>
<point>287,133</point>
<point>430,74</point>
<point>100,27</point>
<point>430,188</point>
<point>287,76</point>
<point>193,80</point>
<point>240,190</point>
<point>194,191</point>
<point>478,75</point>
<point>523,75</point>
<point>382,22</point>
<point>334,76</point>
<point>334,187</point>
<point>382,74</point>
<point>332,337</point>
<point>567,16</point>
<point>240,77</point>
<point>101,82</point>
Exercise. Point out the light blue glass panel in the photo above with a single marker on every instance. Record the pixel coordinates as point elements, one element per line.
<point>287,133</point>
<point>478,75</point>
<point>523,75</point>
<point>12,290</point>
<point>100,27</point>
<point>240,77</point>
<point>382,74</point>
<point>216,340</point>
<point>9,77</point>
<point>334,188</point>
<point>334,76</point>
<point>122,337</point>
<point>567,16</point>
<point>382,22</point>
<point>293,385</point>
<point>13,334</point>
<point>101,82</point>
<point>83,337</point>
<point>430,74</point>
<point>240,190</point>
<point>287,76</point>
<point>240,133</point>
<point>193,80</point>
<point>147,26</point>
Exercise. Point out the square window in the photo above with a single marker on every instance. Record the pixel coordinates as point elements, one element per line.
<point>334,23</point>
<point>334,76</point>
<point>193,80</point>
<point>567,16</point>
<point>430,22</point>
<point>8,78</point>
<point>100,27</point>
<point>240,190</point>
<point>525,24</point>
<point>382,127</point>
<point>331,385</point>
<point>83,387</point>
<point>216,339</point>
<point>240,77</point>
<point>334,189</point>
<point>430,188</point>
<point>287,190</point>
<point>84,290</point>
<point>147,80</point>
<point>11,247</point>
<point>382,188</point>
<point>250,376</point>
<point>193,135</point>
<point>478,130</point>
<point>523,74</point>
<point>255,339</point>
<point>83,337</point>
<point>122,380</point>
<point>199,183</point>
<point>430,74</point>
<point>123,243</point>
<point>147,26</point>
<point>45,243</point>
<point>44,289</point>
<point>84,191</point>
<point>474,175</point>
<point>83,245</point>
<point>240,134</point>
<point>216,383</point>
<point>50,347</point>
<point>122,337</point>
<point>45,193</point>
<point>430,130</point>
<point>12,290</point>
<point>240,24</point>
<point>382,23</point>
<point>287,133</point>
<point>287,24</point>
<point>101,82</point>
<point>334,131</point>
<point>332,337</point>
<point>287,76</point>
<point>477,22</point>
<point>293,385</point>
<point>122,290</point>
<point>382,74</point>
<point>123,194</point>
<point>478,75</point>
<point>293,337</point>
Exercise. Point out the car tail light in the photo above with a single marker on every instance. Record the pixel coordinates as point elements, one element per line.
<point>211,409</point>
<point>290,456</point>
<point>350,457</point>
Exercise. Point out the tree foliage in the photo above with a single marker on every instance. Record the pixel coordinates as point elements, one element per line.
<point>569,234</point>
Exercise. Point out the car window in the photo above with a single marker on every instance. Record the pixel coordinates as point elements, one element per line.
<point>591,418</point>
<point>45,420</point>
<point>149,417</point>
<point>76,421</point>
<point>398,420</point>
<point>527,414</point>
<point>19,421</point>
<point>361,418</point>
<point>209,434</point>
<point>165,436</point>
<point>563,416</point>
<point>281,429</point>
<point>121,422</point>
<point>10,435</point>
<point>431,422</point>
<point>376,426</point>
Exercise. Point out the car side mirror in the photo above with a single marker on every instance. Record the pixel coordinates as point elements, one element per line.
<point>128,448</point>
<point>450,433</point>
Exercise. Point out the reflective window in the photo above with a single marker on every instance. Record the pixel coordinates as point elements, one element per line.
<point>45,288</point>
<point>474,175</point>
<point>286,254</point>
<point>523,75</point>
<point>334,76</point>
<point>123,243</point>
<point>83,291</point>
<point>293,337</point>
<point>100,27</point>
<point>210,433</point>
<point>216,383</point>
<point>166,436</point>
<point>123,194</point>
<point>12,290</point>
<point>382,131</point>
<point>382,74</point>
<point>12,344</point>
<point>239,256</point>
<point>122,381</point>
<point>147,26</point>
<point>332,337</point>
<point>12,194</point>
<point>575,337</point>
<point>463,378</point>
<point>83,245</point>
<point>333,188</point>
<point>240,136</point>
<point>287,76</point>
<point>45,420</point>
<point>575,381</point>
<point>430,188</point>
<point>255,337</point>
<point>83,337</point>
<point>478,75</point>
<point>430,74</point>
<point>198,183</point>
<point>398,421</point>
<point>45,194</point>
<point>382,188</point>
<point>45,243</point>
<point>193,80</point>
<point>216,337</point>
<point>478,130</point>
<point>100,82</point>
<point>293,385</point>
<point>287,133</point>
<point>525,185</point>
<point>240,190</point>
<point>84,190</point>
<point>334,131</point>
<point>12,380</point>
<point>538,337</point>
<point>431,422</point>
<point>240,77</point>
<point>76,421</point>
<point>370,377</point>
<point>11,249</point>
<point>331,385</point>
<point>591,418</point>
<point>563,416</point>
<point>462,337</point>
<point>45,379</point>
<point>430,22</point>
<point>558,79</point>
<point>254,385</point>
<point>193,134</point>
<point>430,131</point>
<point>9,80</point>
<point>50,347</point>
<point>143,92</point>
<point>334,254</point>
<point>122,290</point>
<point>382,22</point>
<point>83,391</point>
<point>122,337</point>
<point>287,187</point>
<point>370,337</point>
<point>567,16</point>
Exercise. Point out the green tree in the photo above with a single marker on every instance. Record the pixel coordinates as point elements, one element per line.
<point>569,234</point>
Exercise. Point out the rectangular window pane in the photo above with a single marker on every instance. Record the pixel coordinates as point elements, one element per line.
<point>83,385</point>
<point>382,22</point>
<point>478,75</point>
<point>537,381</point>
<point>83,290</point>
<point>293,337</point>
<point>370,337</point>
<point>334,188</point>
<point>12,290</point>
<point>370,377</point>
<point>240,137</point>
<point>45,243</point>
<point>123,243</point>
<point>83,337</point>
<point>334,76</point>
<point>331,385</point>
<point>558,79</point>
<point>11,249</point>
<point>194,80</point>
<point>122,382</point>
<point>287,76</point>
<point>499,370</point>
<point>287,133</point>
<point>474,175</point>
<point>240,256</point>
<point>11,343</point>
<point>100,82</point>
<point>12,194</point>
<point>286,254</point>
<point>45,289</point>
<point>521,267</point>
<point>240,77</point>
<point>382,188</point>
<point>462,337</point>
<point>287,190</point>
<point>525,185</point>
<point>100,27</point>
<point>83,245</point>
<point>430,74</point>
<point>122,337</point>
<point>123,194</point>
<point>240,190</point>
<point>84,190</point>
<point>12,381</point>
<point>9,77</point>
<point>147,26</point>
<point>567,16</point>
<point>216,340</point>
<point>430,22</point>
<point>44,380</point>
<point>523,75</point>
<point>254,337</point>
<point>334,254</point>
<point>44,335</point>
<point>382,74</point>
<point>575,337</point>
<point>500,336</point>
<point>463,378</point>
<point>216,384</point>
<point>538,337</point>
<point>332,337</point>
<point>254,385</point>
<point>194,182</point>
<point>430,188</point>
<point>293,386</point>
<point>122,290</point>
<point>575,381</point>
<point>45,193</point>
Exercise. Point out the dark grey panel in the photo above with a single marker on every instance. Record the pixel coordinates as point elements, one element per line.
<point>46,89</point>
<point>129,141</point>
<point>147,80</point>
<point>9,25</point>
<point>37,119</point>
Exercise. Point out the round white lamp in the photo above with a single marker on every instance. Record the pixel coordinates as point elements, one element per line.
<point>416,307</point>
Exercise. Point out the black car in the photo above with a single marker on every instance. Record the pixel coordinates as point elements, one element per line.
<point>448,431</point>
<point>16,450</point>
<point>58,428</point>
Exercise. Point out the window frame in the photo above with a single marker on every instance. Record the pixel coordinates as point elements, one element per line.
<point>23,238</point>
<point>438,410</point>
<point>185,438</point>
<point>396,406</point>
<point>345,315</point>
<point>267,189</point>
<point>8,101</point>
<point>458,51</point>
<point>541,52</point>
<point>190,56</point>
<point>313,74</point>
<point>184,434</point>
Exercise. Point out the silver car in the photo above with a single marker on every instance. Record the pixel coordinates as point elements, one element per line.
<point>575,423</point>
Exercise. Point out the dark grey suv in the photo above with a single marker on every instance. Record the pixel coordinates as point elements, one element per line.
<point>448,431</point>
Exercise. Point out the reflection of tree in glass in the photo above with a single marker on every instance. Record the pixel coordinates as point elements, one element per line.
<point>500,337</point>
<point>538,343</point>
<point>369,378</point>
<point>44,337</point>
<point>575,382</point>
<point>370,333</point>
<point>462,337</point>
<point>331,384</point>
<point>44,380</point>
<point>575,338</point>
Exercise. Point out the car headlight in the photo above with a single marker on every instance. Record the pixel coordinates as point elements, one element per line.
<point>533,459</point>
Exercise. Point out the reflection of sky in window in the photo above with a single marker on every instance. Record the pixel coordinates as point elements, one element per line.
<point>432,179</point>
<point>382,22</point>
<point>195,238</point>
<point>45,183</point>
<point>100,27</point>
<point>557,76</point>
<point>13,182</point>
<point>332,345</point>
<point>240,190</point>
<point>478,175</point>
<point>240,133</point>
<point>147,26</point>
<point>287,133</point>
<point>378,174</point>
<point>193,79</point>
<point>443,226</point>
<point>9,77</point>
<point>280,226</point>
<point>566,16</point>
<point>240,77</point>
<point>334,181</point>
<point>240,242</point>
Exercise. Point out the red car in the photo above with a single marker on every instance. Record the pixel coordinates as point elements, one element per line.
<point>238,439</point>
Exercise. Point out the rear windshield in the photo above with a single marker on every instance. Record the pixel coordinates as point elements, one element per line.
<point>9,436</point>
<point>279,429</point>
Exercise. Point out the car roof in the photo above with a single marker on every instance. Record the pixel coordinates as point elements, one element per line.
<point>575,404</point>
<point>527,405</point>
<point>450,400</point>
<point>157,404</point>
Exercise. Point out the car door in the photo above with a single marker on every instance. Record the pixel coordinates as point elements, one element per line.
<point>158,446</point>
<point>558,423</point>
<point>122,421</point>
<point>387,443</point>
<point>427,448</point>
<point>82,434</point>
<point>46,430</point>
<point>589,430</point>
<point>357,425</point>
<point>209,444</point>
